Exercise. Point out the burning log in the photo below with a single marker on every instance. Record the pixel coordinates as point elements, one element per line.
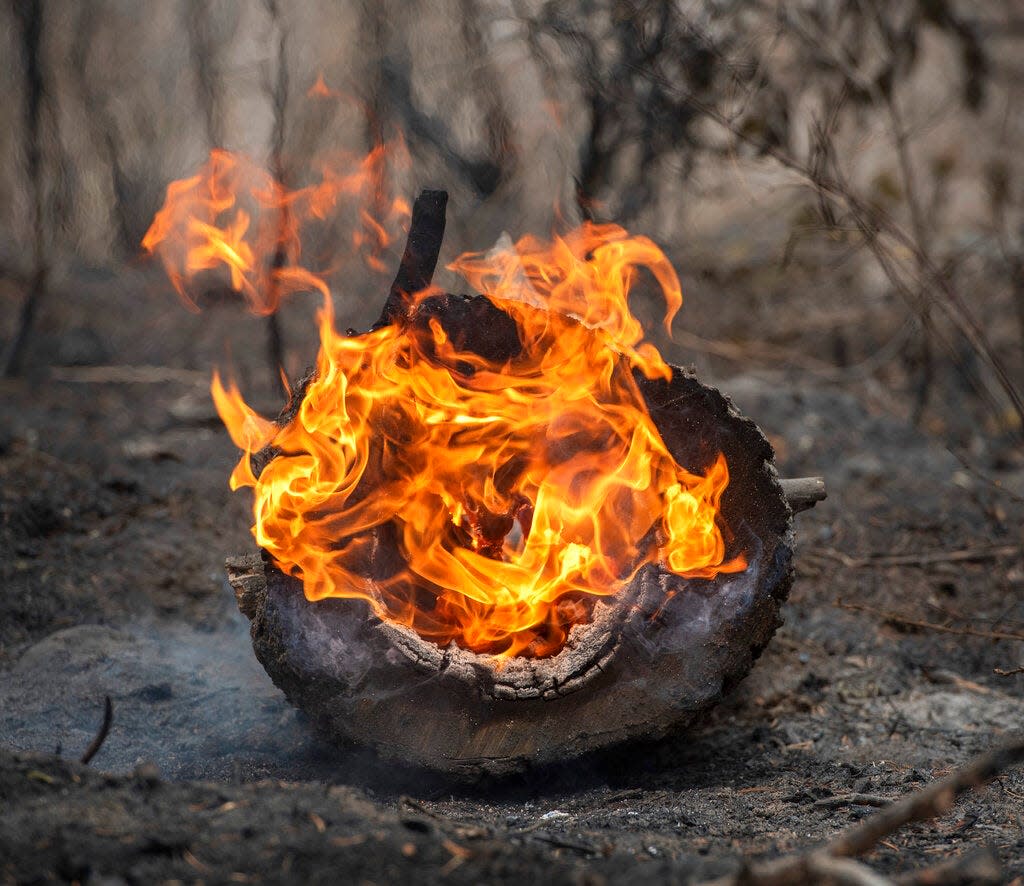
<point>653,657</point>
<point>650,657</point>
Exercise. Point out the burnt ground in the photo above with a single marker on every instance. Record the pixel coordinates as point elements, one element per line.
<point>115,518</point>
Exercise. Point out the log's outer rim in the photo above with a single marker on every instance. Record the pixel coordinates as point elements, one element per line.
<point>248,579</point>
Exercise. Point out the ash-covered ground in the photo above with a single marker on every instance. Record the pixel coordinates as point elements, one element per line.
<point>115,519</point>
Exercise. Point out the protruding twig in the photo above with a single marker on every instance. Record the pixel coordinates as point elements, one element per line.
<point>803,493</point>
<point>101,736</point>
<point>426,231</point>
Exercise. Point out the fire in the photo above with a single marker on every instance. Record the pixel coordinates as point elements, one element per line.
<point>234,216</point>
<point>484,502</point>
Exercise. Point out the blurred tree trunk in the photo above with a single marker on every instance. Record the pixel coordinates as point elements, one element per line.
<point>279,103</point>
<point>29,16</point>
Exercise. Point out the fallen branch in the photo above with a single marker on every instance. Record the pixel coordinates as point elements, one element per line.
<point>1008,673</point>
<point>896,618</point>
<point>101,736</point>
<point>979,868</point>
<point>931,801</point>
<point>834,861</point>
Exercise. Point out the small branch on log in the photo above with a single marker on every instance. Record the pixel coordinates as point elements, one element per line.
<point>1000,672</point>
<point>833,861</point>
<point>101,736</point>
<point>275,353</point>
<point>426,231</point>
<point>803,493</point>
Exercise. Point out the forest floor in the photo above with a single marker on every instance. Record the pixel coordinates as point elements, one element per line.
<point>115,519</point>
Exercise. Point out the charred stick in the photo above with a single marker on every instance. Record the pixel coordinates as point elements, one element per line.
<point>426,231</point>
<point>930,802</point>
<point>803,493</point>
<point>101,736</point>
<point>934,800</point>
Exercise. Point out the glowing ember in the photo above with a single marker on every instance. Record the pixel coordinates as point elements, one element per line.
<point>486,502</point>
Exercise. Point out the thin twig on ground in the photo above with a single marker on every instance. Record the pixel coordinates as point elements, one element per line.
<point>931,801</point>
<point>924,558</point>
<point>101,736</point>
<point>852,800</point>
<point>979,868</point>
<point>897,618</point>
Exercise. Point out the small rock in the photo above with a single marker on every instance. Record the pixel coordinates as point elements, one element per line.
<point>554,813</point>
<point>147,773</point>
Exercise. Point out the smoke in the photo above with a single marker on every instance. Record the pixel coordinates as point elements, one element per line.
<point>695,627</point>
<point>192,700</point>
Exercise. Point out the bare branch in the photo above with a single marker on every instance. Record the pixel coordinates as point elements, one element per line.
<point>832,862</point>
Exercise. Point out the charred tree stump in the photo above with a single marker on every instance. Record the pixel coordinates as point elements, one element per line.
<point>653,656</point>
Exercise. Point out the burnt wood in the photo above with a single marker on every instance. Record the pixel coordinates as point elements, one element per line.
<point>803,493</point>
<point>423,246</point>
<point>654,656</point>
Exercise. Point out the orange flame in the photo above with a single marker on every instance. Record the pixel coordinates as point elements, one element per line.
<point>233,216</point>
<point>484,502</point>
